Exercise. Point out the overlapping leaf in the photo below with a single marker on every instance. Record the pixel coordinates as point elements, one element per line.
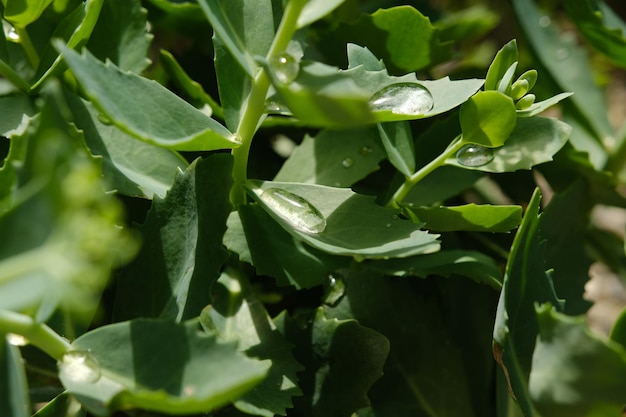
<point>14,400</point>
<point>470,217</point>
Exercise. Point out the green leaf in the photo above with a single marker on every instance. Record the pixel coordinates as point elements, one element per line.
<point>397,141</point>
<point>592,25</point>
<point>541,106</point>
<point>618,332</point>
<point>113,367</point>
<point>183,9</point>
<point>262,242</point>
<point>129,166</point>
<point>184,231</point>
<point>487,119</point>
<point>575,373</point>
<point>63,405</point>
<point>470,264</point>
<point>146,109</point>
<point>237,315</point>
<point>336,158</point>
<point>15,113</point>
<point>503,60</point>
<point>526,283</point>
<point>470,217</point>
<point>23,12</point>
<point>343,360</point>
<point>314,10</point>
<point>339,221</point>
<point>14,400</point>
<point>533,141</point>
<point>120,35</point>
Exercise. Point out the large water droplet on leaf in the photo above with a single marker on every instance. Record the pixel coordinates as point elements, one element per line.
<point>474,155</point>
<point>285,68</point>
<point>293,209</point>
<point>80,366</point>
<point>403,98</point>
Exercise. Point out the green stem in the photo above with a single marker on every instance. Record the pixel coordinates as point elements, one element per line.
<point>412,180</point>
<point>27,45</point>
<point>39,334</point>
<point>254,107</point>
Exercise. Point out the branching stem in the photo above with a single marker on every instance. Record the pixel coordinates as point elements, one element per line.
<point>39,334</point>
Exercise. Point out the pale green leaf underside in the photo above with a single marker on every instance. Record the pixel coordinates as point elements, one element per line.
<point>355,224</point>
<point>145,109</point>
<point>315,10</point>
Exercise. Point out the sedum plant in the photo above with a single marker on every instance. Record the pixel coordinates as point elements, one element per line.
<point>158,259</point>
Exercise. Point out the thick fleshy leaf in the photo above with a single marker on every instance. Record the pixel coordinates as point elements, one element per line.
<point>259,240</point>
<point>237,315</point>
<point>487,119</point>
<point>542,106</point>
<point>533,141</point>
<point>574,372</point>
<point>316,9</point>
<point>120,35</point>
<point>526,283</point>
<point>397,141</point>
<point>504,59</point>
<point>14,399</point>
<point>130,167</point>
<point>184,230</point>
<point>337,158</point>
<point>343,360</point>
<point>470,217</point>
<point>470,264</point>
<point>339,221</point>
<point>113,367</point>
<point>145,109</point>
<point>23,12</point>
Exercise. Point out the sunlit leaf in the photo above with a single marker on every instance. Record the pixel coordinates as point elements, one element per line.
<point>487,119</point>
<point>470,217</point>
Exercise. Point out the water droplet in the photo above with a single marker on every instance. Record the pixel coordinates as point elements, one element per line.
<point>104,119</point>
<point>474,155</point>
<point>545,21</point>
<point>365,150</point>
<point>285,68</point>
<point>388,225</point>
<point>295,210</point>
<point>10,33</point>
<point>403,98</point>
<point>332,281</point>
<point>16,339</point>
<point>80,366</point>
<point>347,162</point>
<point>562,53</point>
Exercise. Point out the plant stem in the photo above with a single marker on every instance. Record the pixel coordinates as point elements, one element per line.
<point>412,180</point>
<point>254,107</point>
<point>27,45</point>
<point>39,334</point>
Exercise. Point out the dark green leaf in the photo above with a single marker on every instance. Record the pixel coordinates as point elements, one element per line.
<point>336,158</point>
<point>146,109</point>
<point>185,9</point>
<point>397,141</point>
<point>487,119</point>
<point>575,373</point>
<point>64,405</point>
<point>182,252</point>
<point>262,242</point>
<point>236,315</point>
<point>14,115</point>
<point>14,401</point>
<point>618,332</point>
<point>156,365</point>
<point>341,222</point>
<point>526,283</point>
<point>23,12</point>
<point>470,217</point>
<point>503,60</point>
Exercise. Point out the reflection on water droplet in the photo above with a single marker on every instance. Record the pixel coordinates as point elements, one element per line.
<point>332,280</point>
<point>336,289</point>
<point>285,68</point>
<point>104,120</point>
<point>474,155</point>
<point>562,53</point>
<point>16,339</point>
<point>544,21</point>
<point>365,150</point>
<point>295,210</point>
<point>388,225</point>
<point>11,34</point>
<point>403,98</point>
<point>347,162</point>
<point>80,366</point>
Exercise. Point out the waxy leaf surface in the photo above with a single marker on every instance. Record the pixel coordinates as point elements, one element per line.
<point>470,217</point>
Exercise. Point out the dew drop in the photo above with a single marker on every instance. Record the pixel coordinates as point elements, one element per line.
<point>388,225</point>
<point>11,34</point>
<point>402,98</point>
<point>347,162</point>
<point>295,210</point>
<point>336,289</point>
<point>80,366</point>
<point>365,150</point>
<point>104,120</point>
<point>16,339</point>
<point>474,155</point>
<point>562,53</point>
<point>285,68</point>
<point>545,21</point>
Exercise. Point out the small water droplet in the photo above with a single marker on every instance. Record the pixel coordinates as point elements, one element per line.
<point>10,33</point>
<point>395,216</point>
<point>562,53</point>
<point>285,68</point>
<point>474,155</point>
<point>332,281</point>
<point>347,162</point>
<point>403,98</point>
<point>365,150</point>
<point>336,289</point>
<point>295,210</point>
<point>16,339</point>
<point>80,366</point>
<point>104,119</point>
<point>545,21</point>
<point>388,225</point>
